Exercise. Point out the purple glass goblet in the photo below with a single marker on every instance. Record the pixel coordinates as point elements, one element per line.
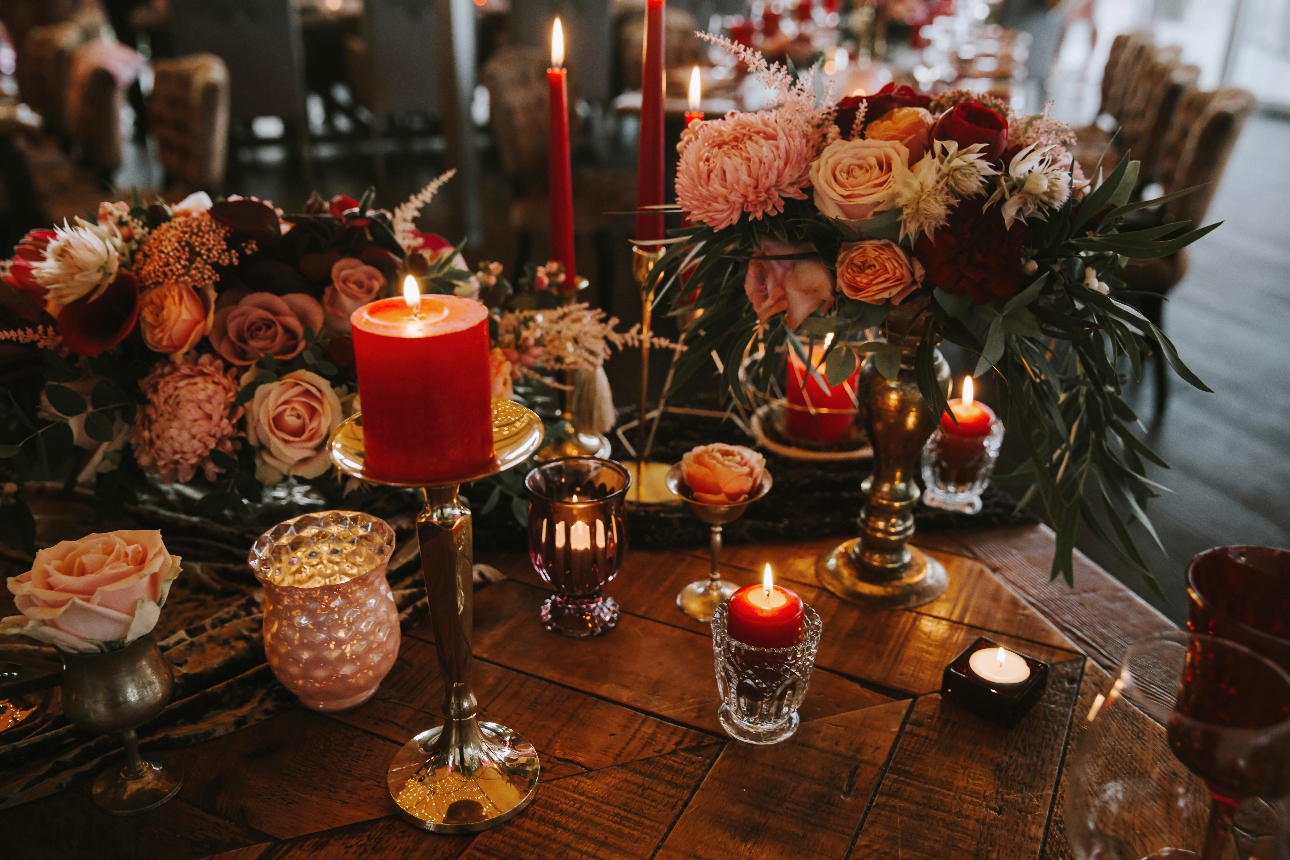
<point>577,536</point>
<point>1242,593</point>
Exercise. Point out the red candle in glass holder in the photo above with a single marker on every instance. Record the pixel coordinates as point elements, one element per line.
<point>805,392</point>
<point>423,383</point>
<point>765,615</point>
<point>964,443</point>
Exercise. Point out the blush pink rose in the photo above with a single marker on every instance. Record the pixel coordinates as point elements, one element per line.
<point>95,594</point>
<point>500,371</point>
<point>877,270</point>
<point>855,179</point>
<point>175,317</point>
<point>800,287</point>
<point>721,474</point>
<point>264,324</point>
<point>353,284</point>
<point>911,126</point>
<point>289,421</point>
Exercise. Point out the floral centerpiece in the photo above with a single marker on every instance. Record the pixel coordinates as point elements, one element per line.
<point>942,217</point>
<point>209,344</point>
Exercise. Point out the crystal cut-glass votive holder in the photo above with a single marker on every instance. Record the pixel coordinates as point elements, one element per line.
<point>331,629</point>
<point>956,469</point>
<point>762,688</point>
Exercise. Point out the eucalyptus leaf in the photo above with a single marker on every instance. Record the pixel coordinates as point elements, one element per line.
<point>65,401</point>
<point>839,366</point>
<point>99,426</point>
<point>888,363</point>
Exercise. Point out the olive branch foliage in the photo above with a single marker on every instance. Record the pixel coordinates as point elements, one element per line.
<point>1057,347</point>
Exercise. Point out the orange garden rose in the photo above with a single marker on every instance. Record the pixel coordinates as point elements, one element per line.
<point>722,474</point>
<point>877,270</point>
<point>911,126</point>
<point>174,318</point>
<point>95,594</point>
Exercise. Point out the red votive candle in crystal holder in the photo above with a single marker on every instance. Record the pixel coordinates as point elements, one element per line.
<point>765,615</point>
<point>960,456</point>
<point>423,383</point>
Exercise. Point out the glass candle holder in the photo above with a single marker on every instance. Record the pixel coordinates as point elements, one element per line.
<point>577,536</point>
<point>762,688</point>
<point>957,468</point>
<point>331,629</point>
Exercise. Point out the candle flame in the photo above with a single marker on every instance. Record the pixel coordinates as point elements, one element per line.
<point>1002,655</point>
<point>412,294</point>
<point>696,91</point>
<point>557,44</point>
<point>967,398</point>
<point>767,580</point>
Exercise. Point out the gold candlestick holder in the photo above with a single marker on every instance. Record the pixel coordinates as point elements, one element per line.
<point>649,478</point>
<point>466,775</point>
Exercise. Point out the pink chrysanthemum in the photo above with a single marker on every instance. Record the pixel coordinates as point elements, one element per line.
<point>745,162</point>
<point>190,412</point>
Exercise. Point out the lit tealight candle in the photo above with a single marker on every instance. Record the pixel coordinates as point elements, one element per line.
<point>973,419</point>
<point>999,666</point>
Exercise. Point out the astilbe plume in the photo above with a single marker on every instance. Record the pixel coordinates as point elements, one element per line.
<point>405,215</point>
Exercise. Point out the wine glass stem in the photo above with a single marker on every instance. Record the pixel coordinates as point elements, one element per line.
<point>714,575</point>
<point>1220,823</point>
<point>133,763</point>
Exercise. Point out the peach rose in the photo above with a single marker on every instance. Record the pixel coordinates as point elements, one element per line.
<point>98,593</point>
<point>289,421</point>
<point>910,126</point>
<point>854,179</point>
<point>353,284</point>
<point>175,317</point>
<point>876,270</point>
<point>500,371</point>
<point>722,474</point>
<point>264,324</point>
<point>799,287</point>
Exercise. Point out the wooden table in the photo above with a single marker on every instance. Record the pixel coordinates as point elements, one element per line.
<point>635,764</point>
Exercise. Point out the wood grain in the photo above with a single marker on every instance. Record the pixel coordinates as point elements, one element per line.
<point>801,798</point>
<point>384,837</point>
<point>253,852</point>
<point>959,786</point>
<point>1092,684</point>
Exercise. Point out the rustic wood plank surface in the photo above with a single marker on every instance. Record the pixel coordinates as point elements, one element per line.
<point>634,761</point>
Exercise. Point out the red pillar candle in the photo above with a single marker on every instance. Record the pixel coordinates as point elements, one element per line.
<point>765,615</point>
<point>561,178</point>
<point>649,165</point>
<point>804,393</point>
<point>423,384</point>
<point>963,444</point>
<point>974,420</point>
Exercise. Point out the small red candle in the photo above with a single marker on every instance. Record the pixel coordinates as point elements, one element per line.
<point>694,114</point>
<point>741,31</point>
<point>424,388</point>
<point>974,419</point>
<point>649,179</point>
<point>765,615</point>
<point>770,22</point>
<point>803,424</point>
<point>561,178</point>
<point>963,445</point>
<point>805,9</point>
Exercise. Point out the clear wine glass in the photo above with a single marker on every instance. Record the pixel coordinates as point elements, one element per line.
<point>1191,729</point>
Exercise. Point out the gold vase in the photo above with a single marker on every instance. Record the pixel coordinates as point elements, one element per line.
<point>878,568</point>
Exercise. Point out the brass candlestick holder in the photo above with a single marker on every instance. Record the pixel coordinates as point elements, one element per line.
<point>878,569</point>
<point>649,478</point>
<point>466,775</point>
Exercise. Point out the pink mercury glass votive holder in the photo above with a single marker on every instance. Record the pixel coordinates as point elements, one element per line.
<point>331,629</point>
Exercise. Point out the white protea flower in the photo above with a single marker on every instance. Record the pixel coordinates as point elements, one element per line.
<point>81,260</point>
<point>964,170</point>
<point>923,197</point>
<point>1034,184</point>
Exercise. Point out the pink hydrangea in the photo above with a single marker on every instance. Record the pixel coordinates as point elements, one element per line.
<point>189,413</point>
<point>745,162</point>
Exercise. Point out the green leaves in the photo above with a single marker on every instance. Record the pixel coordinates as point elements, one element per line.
<point>64,400</point>
<point>839,366</point>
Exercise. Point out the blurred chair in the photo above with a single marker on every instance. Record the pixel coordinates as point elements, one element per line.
<point>1117,77</point>
<point>1148,120</point>
<point>684,49</point>
<point>1202,132</point>
<point>44,64</point>
<point>518,96</point>
<point>189,105</point>
<point>388,65</point>
<point>101,73</point>
<point>259,41</point>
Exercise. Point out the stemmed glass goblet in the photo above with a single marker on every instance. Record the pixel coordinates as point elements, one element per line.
<point>700,599</point>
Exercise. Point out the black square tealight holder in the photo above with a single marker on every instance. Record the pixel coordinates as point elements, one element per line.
<point>1004,704</point>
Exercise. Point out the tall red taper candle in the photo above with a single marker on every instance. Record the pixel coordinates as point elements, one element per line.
<point>561,178</point>
<point>423,384</point>
<point>649,169</point>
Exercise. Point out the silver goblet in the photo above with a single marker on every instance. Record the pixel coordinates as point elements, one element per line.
<point>700,599</point>
<point>117,691</point>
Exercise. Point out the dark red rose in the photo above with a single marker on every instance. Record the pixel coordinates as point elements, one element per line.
<point>341,205</point>
<point>968,122</point>
<point>340,351</point>
<point>317,267</point>
<point>879,105</point>
<point>91,326</point>
<point>430,242</point>
<point>973,255</point>
<point>27,256</point>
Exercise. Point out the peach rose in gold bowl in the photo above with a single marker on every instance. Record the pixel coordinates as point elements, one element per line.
<point>874,271</point>
<point>721,474</point>
<point>95,594</point>
<point>175,317</point>
<point>910,126</point>
<point>290,420</point>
